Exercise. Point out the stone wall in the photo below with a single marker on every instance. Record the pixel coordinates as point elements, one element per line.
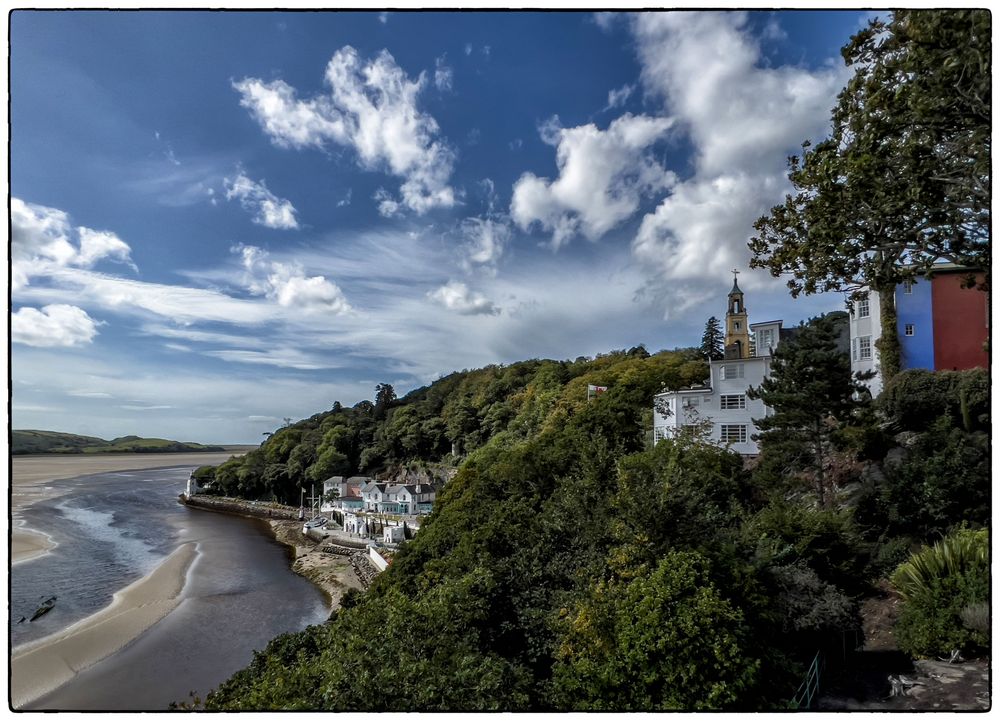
<point>241,507</point>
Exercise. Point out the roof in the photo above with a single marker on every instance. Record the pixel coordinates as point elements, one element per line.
<point>766,322</point>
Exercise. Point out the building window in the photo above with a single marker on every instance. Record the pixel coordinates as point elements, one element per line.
<point>690,402</point>
<point>727,403</point>
<point>908,329</point>
<point>764,339</point>
<point>733,434</point>
<point>908,287</point>
<point>854,349</point>
<point>863,309</point>
<point>736,325</point>
<point>659,434</point>
<point>865,347</point>
<point>732,371</point>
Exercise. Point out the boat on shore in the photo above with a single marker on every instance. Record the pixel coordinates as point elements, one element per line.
<point>46,606</point>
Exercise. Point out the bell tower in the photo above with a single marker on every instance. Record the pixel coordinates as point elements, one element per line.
<point>737,343</point>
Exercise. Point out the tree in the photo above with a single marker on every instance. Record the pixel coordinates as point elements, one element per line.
<point>384,395</point>
<point>812,393</point>
<point>904,178</point>
<point>712,340</point>
<point>667,640</point>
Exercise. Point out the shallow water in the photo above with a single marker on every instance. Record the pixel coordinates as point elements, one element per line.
<point>113,529</point>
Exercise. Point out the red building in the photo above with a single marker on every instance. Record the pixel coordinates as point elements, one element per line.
<point>961,318</point>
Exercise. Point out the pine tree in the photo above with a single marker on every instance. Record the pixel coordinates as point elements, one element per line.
<point>711,341</point>
<point>813,395</point>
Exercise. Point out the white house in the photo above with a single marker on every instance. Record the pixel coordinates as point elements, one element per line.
<point>348,493</point>
<point>722,404</point>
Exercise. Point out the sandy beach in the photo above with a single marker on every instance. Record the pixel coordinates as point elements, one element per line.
<point>32,474</point>
<point>39,667</point>
<point>44,665</point>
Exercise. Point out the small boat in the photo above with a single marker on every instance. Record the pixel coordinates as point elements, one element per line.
<point>317,522</point>
<point>43,609</point>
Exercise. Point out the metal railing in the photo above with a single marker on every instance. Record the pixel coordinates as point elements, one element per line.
<point>809,688</point>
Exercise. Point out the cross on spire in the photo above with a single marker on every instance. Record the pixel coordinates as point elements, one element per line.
<point>735,273</point>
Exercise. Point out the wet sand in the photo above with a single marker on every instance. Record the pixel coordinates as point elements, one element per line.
<point>48,663</point>
<point>32,474</point>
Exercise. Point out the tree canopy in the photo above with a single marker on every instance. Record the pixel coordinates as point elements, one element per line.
<point>903,180</point>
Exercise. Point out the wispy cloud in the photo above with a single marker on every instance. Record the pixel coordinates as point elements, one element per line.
<point>268,209</point>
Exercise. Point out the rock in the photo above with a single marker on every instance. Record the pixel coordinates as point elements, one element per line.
<point>896,456</point>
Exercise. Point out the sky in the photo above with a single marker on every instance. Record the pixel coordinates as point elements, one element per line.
<point>220,220</point>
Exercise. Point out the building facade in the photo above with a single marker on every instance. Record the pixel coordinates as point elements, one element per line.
<point>722,405</point>
<point>940,325</point>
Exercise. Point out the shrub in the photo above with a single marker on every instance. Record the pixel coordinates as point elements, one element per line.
<point>937,585</point>
<point>915,398</point>
<point>943,481</point>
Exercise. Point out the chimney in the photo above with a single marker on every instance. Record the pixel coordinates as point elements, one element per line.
<point>418,488</point>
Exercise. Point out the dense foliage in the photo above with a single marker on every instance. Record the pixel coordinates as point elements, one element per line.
<point>442,423</point>
<point>571,565</point>
<point>940,586</point>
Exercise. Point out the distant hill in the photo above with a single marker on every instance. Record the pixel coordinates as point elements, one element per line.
<point>24,442</point>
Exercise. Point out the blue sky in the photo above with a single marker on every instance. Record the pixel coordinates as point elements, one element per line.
<point>220,220</point>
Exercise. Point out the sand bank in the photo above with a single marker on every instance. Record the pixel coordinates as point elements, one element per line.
<point>46,664</point>
<point>32,473</point>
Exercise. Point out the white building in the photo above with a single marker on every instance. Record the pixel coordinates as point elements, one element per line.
<point>866,329</point>
<point>722,404</point>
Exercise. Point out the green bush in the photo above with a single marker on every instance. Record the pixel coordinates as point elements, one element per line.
<point>937,585</point>
<point>942,482</point>
<point>915,398</point>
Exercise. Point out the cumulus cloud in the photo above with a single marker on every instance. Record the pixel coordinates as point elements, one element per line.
<point>371,107</point>
<point>288,285</point>
<point>53,326</point>
<point>603,174</point>
<point>457,296</point>
<point>743,119</point>
<point>267,209</point>
<point>42,240</point>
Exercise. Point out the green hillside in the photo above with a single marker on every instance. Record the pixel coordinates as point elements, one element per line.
<point>571,565</point>
<point>31,441</point>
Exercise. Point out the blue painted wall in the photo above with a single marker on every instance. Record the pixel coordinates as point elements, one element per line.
<point>916,308</point>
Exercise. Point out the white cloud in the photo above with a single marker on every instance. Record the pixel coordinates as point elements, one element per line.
<point>619,96</point>
<point>486,241</point>
<point>603,174</point>
<point>743,120</point>
<point>456,296</point>
<point>443,75</point>
<point>383,17</point>
<point>550,130</point>
<point>53,326</point>
<point>268,209</point>
<point>281,357</point>
<point>287,284</point>
<point>468,48</point>
<point>606,19</point>
<point>130,407</point>
<point>346,200</point>
<point>96,245</point>
<point>372,108</point>
<point>41,240</point>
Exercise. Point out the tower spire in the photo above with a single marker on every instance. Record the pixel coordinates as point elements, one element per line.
<point>737,343</point>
